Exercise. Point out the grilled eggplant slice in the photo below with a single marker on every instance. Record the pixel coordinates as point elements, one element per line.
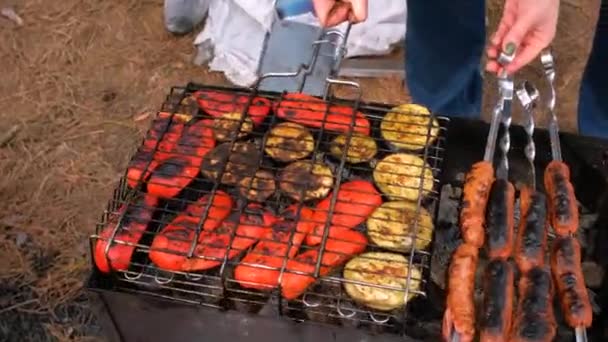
<point>399,177</point>
<point>234,164</point>
<point>361,148</point>
<point>306,180</point>
<point>228,126</point>
<point>378,269</point>
<point>259,187</point>
<point>392,226</point>
<point>289,141</point>
<point>407,127</point>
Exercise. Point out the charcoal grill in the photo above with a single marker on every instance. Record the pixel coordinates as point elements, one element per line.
<point>142,301</point>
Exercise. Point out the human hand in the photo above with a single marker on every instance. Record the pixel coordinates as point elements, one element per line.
<point>529,25</point>
<point>334,12</point>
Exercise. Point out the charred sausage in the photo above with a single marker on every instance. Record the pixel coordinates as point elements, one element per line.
<point>459,316</point>
<point>534,318</point>
<point>500,219</point>
<point>563,208</point>
<point>498,301</point>
<point>532,235</point>
<point>570,284</point>
<point>476,192</point>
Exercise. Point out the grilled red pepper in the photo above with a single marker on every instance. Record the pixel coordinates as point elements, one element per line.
<point>356,201</point>
<point>273,249</point>
<point>166,127</point>
<point>213,245</point>
<point>341,245</point>
<point>216,103</point>
<point>181,162</point>
<point>310,111</point>
<point>135,219</point>
<point>170,247</point>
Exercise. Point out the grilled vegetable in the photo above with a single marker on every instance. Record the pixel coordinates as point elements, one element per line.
<point>392,225</point>
<point>135,219</point>
<point>498,301</point>
<point>341,245</point>
<point>500,219</point>
<point>183,162</point>
<point>531,236</point>
<point>289,141</point>
<point>475,199</point>
<point>216,103</point>
<point>228,126</point>
<point>563,208</point>
<point>242,162</point>
<point>409,126</point>
<point>259,187</point>
<point>260,268</point>
<point>399,176</point>
<point>534,319</point>
<point>312,112</point>
<point>381,269</point>
<point>570,282</point>
<point>356,200</point>
<point>213,245</point>
<point>171,245</point>
<point>361,148</point>
<point>305,180</point>
<point>161,137</point>
<point>459,316</point>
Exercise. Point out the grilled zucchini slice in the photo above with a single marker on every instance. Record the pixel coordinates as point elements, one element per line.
<point>306,180</point>
<point>259,187</point>
<point>381,269</point>
<point>361,148</point>
<point>407,126</point>
<point>392,224</point>
<point>399,176</point>
<point>228,126</point>
<point>289,141</point>
<point>234,164</point>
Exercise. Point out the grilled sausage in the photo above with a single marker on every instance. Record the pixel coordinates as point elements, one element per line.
<point>475,199</point>
<point>183,161</point>
<point>356,200</point>
<point>534,319</point>
<point>170,246</point>
<point>500,219</point>
<point>312,112</point>
<point>341,245</point>
<point>570,284</point>
<point>532,235</point>
<point>260,269</point>
<point>135,219</point>
<point>498,301</point>
<point>216,103</point>
<point>459,316</point>
<point>563,208</point>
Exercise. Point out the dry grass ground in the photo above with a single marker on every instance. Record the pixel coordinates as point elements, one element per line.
<point>74,78</point>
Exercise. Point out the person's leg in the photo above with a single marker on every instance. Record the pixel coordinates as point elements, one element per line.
<point>593,100</point>
<point>181,16</point>
<point>444,44</point>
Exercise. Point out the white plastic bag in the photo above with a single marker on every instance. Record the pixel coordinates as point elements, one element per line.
<point>234,34</point>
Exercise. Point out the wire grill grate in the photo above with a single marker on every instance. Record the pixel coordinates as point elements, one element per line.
<point>201,221</point>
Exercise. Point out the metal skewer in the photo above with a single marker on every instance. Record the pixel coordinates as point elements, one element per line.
<point>546,59</point>
<point>527,95</point>
<point>505,83</point>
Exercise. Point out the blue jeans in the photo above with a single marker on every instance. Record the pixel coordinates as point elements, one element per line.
<point>445,41</point>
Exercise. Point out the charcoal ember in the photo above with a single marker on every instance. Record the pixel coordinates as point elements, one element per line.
<point>447,239</point>
<point>448,205</point>
<point>593,273</point>
<point>460,177</point>
<point>320,303</point>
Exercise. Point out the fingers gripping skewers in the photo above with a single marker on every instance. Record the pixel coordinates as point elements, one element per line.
<point>563,216</point>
